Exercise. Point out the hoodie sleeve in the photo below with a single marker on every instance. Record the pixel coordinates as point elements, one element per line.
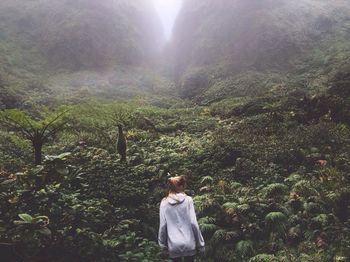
<point>162,234</point>
<point>196,231</point>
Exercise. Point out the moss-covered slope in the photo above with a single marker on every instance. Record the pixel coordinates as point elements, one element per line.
<point>241,47</point>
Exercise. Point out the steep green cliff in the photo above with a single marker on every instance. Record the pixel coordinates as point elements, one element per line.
<point>40,39</point>
<point>236,47</point>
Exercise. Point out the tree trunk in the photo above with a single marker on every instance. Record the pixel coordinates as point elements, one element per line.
<point>38,152</point>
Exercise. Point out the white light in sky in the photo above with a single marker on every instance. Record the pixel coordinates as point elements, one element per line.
<point>167,10</point>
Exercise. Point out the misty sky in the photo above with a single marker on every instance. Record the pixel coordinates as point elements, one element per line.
<point>168,10</point>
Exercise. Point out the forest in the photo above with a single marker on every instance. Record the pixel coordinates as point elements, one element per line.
<point>249,100</point>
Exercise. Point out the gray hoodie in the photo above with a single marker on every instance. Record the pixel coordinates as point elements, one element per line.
<point>179,232</point>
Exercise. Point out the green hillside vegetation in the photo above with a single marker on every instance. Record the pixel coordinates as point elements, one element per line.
<point>268,183</point>
<point>243,48</point>
<point>42,43</point>
<point>250,100</point>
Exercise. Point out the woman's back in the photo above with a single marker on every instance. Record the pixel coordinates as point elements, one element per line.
<point>179,231</point>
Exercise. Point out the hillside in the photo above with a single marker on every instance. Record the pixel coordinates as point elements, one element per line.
<point>269,180</point>
<point>92,126</point>
<point>237,48</point>
<point>41,39</point>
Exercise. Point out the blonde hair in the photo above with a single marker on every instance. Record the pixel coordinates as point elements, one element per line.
<point>176,184</point>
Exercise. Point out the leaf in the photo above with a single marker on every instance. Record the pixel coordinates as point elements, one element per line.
<point>64,155</point>
<point>62,171</point>
<point>21,174</point>
<point>59,158</point>
<point>40,219</point>
<point>26,218</point>
<point>37,169</point>
<point>244,248</point>
<point>9,181</point>
<point>207,180</point>
<point>13,200</point>
<point>20,222</point>
<point>45,231</point>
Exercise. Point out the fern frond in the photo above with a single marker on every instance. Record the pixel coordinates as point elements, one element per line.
<point>305,188</point>
<point>207,180</point>
<point>275,190</point>
<point>203,202</point>
<point>276,221</point>
<point>219,236</point>
<point>264,258</point>
<point>208,228</point>
<point>230,207</point>
<point>245,248</point>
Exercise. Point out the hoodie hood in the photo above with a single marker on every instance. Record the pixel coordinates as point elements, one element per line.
<point>175,199</point>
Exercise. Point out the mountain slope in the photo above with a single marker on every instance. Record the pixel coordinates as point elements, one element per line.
<point>241,47</point>
<point>43,39</point>
<point>83,33</point>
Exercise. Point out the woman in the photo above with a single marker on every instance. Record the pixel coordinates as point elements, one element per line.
<point>179,233</point>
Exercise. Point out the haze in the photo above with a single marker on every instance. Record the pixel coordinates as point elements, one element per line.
<point>167,10</point>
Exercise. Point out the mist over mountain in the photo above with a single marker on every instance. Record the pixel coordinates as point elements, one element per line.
<point>248,102</point>
<point>219,49</point>
<point>58,45</point>
<point>237,47</point>
<point>83,33</point>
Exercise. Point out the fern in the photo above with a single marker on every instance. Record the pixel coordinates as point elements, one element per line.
<point>206,220</point>
<point>275,217</point>
<point>293,178</point>
<point>235,185</point>
<point>230,208</point>
<point>264,258</point>
<point>219,236</point>
<point>207,225</point>
<point>245,248</point>
<point>275,190</point>
<point>322,220</point>
<point>203,202</point>
<point>304,188</point>
<point>207,180</point>
<point>231,235</point>
<point>276,221</point>
<point>243,209</point>
<point>208,228</point>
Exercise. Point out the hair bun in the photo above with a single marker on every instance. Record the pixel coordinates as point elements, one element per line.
<point>182,180</point>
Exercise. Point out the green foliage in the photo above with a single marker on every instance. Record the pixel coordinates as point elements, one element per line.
<point>244,248</point>
<point>264,258</point>
<point>261,184</point>
<point>221,54</point>
<point>268,166</point>
<point>276,220</point>
<point>275,190</point>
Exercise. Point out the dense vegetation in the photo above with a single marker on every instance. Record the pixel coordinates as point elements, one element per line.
<point>235,47</point>
<point>264,140</point>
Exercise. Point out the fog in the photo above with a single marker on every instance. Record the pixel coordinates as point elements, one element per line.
<point>167,10</point>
